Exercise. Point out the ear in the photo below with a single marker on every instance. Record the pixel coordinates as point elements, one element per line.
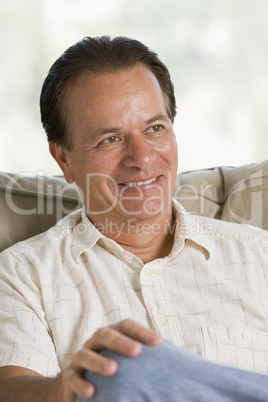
<point>61,156</point>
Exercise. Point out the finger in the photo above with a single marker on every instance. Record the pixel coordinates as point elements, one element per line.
<point>81,361</point>
<point>124,337</point>
<point>110,338</point>
<point>90,360</point>
<point>136,331</point>
<point>76,385</point>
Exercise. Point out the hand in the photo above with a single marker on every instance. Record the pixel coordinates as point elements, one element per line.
<point>124,337</point>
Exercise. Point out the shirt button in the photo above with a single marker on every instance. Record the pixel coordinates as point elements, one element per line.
<point>246,335</point>
<point>161,320</point>
<point>147,271</point>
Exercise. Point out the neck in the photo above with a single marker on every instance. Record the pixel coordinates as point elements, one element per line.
<point>147,239</point>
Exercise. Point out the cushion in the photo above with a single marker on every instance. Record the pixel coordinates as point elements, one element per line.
<point>31,204</point>
<point>232,194</point>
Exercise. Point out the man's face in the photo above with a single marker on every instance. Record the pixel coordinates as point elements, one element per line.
<point>124,154</point>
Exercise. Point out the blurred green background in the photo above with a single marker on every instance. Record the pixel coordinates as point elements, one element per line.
<point>216,51</point>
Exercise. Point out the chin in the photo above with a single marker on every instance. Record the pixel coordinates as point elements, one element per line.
<point>145,210</point>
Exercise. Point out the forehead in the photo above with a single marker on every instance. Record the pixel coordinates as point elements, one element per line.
<point>138,77</point>
<point>116,99</point>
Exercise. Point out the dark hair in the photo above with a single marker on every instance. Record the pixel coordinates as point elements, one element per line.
<point>98,56</point>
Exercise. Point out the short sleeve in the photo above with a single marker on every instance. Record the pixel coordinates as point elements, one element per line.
<point>25,338</point>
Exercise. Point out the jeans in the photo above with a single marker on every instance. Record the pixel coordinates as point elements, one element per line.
<point>168,373</point>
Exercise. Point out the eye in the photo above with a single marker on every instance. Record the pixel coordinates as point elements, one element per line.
<point>155,129</point>
<point>110,140</point>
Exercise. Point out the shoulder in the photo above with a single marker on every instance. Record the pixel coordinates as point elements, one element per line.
<point>230,236</point>
<point>49,240</point>
<point>220,229</point>
<point>210,233</point>
<point>236,231</point>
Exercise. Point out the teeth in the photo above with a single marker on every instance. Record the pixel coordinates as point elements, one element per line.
<point>140,183</point>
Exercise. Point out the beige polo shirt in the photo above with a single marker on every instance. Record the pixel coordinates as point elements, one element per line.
<point>210,295</point>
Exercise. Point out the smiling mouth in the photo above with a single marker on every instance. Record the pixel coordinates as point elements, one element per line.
<point>139,183</point>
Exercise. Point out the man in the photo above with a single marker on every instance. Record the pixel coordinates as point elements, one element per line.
<point>132,266</point>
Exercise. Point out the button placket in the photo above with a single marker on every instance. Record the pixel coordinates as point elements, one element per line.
<point>246,335</point>
<point>161,319</point>
<point>147,271</point>
<point>157,303</point>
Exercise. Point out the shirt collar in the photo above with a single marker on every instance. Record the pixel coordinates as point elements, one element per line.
<point>191,227</point>
<point>86,235</point>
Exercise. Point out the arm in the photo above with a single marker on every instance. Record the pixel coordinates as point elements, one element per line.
<point>18,383</point>
<point>124,338</point>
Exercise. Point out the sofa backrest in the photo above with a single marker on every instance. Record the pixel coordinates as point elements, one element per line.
<point>30,205</point>
<point>232,194</point>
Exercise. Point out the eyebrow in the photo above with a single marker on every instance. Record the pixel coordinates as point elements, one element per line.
<point>106,131</point>
<point>157,117</point>
<point>115,130</point>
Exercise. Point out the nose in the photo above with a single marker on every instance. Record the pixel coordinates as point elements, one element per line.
<point>138,153</point>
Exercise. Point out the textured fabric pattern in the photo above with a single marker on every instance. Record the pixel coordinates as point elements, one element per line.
<point>170,374</point>
<point>29,205</point>
<point>232,194</point>
<point>32,204</point>
<point>210,295</point>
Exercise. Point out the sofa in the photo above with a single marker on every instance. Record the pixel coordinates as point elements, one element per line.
<point>30,205</point>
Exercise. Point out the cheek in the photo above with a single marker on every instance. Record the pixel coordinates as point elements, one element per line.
<point>102,164</point>
<point>171,157</point>
<point>173,144</point>
<point>169,151</point>
<point>174,148</point>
